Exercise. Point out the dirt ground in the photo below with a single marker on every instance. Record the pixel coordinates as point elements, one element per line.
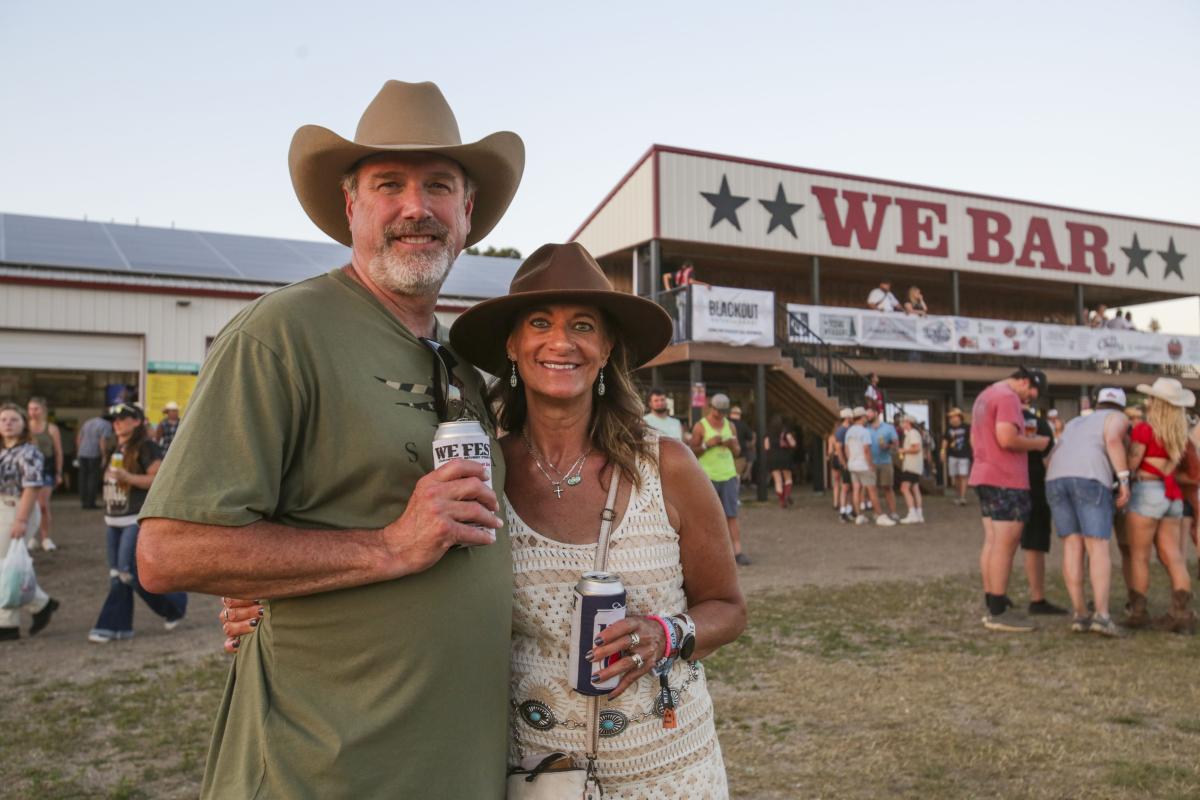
<point>801,546</point>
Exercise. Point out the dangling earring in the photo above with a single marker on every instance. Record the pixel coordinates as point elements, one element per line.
<point>512,379</point>
<point>600,387</point>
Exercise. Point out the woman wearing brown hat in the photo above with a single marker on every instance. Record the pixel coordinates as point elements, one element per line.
<point>1156,506</point>
<point>575,427</point>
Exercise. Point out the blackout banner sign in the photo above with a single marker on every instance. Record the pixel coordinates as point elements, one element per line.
<point>733,316</point>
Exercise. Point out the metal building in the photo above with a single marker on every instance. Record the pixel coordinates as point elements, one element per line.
<point>87,308</point>
<point>784,259</point>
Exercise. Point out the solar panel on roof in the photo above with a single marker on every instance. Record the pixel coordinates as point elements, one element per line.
<point>74,244</point>
<point>58,242</point>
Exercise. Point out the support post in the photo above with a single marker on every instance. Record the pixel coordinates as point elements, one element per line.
<point>816,281</point>
<point>1080,309</point>
<point>695,375</point>
<point>956,305</point>
<point>760,414</point>
<point>655,278</point>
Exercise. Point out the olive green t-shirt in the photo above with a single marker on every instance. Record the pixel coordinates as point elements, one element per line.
<point>312,411</point>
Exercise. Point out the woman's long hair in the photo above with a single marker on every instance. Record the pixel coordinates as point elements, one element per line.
<point>1169,424</point>
<point>617,429</point>
<point>131,450</point>
<point>26,435</point>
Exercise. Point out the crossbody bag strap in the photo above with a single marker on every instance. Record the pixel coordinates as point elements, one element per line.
<point>606,520</point>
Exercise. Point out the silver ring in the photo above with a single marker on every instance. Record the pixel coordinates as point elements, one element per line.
<point>634,639</point>
<point>227,614</point>
<point>638,663</point>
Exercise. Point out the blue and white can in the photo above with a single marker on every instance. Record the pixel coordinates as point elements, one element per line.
<point>599,602</point>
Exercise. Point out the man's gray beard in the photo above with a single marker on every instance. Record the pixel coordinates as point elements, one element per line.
<point>412,274</point>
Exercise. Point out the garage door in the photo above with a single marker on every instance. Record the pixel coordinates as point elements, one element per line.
<point>82,351</point>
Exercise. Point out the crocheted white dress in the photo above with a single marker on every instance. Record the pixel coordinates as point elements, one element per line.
<point>642,760</point>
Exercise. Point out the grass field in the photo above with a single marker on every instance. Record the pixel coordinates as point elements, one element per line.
<point>866,691</point>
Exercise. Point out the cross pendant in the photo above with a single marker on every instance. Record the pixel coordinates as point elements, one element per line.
<point>558,490</point>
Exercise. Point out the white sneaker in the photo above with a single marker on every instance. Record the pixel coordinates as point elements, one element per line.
<point>172,624</point>
<point>920,515</point>
<point>49,546</point>
<point>98,637</point>
<point>911,519</point>
<point>884,521</point>
<point>861,519</point>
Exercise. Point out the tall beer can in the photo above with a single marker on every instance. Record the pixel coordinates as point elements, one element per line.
<point>463,439</point>
<point>599,601</point>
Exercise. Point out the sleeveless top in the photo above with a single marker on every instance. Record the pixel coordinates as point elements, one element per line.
<point>1080,452</point>
<point>45,444</point>
<point>717,462</point>
<point>643,760</point>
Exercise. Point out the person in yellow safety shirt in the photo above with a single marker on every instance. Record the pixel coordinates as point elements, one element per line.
<point>715,443</point>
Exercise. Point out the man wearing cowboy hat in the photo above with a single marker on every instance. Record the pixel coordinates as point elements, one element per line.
<point>381,657</point>
<point>168,426</point>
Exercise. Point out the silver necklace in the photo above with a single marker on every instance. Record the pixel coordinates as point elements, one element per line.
<point>573,476</point>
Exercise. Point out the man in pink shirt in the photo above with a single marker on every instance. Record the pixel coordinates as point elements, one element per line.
<point>1000,476</point>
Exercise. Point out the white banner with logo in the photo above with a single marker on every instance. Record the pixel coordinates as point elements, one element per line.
<point>733,316</point>
<point>847,326</point>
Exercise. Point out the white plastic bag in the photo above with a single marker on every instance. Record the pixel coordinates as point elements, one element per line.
<point>18,584</point>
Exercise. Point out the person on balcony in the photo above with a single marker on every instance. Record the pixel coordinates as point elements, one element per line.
<point>882,299</point>
<point>915,304</point>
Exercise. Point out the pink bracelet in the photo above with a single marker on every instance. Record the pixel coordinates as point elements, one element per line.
<point>666,633</point>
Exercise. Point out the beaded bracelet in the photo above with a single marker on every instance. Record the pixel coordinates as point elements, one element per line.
<point>668,632</point>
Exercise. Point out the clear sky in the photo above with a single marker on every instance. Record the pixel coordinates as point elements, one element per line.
<point>182,113</point>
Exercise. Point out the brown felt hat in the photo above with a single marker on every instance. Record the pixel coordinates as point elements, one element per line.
<point>559,273</point>
<point>403,118</point>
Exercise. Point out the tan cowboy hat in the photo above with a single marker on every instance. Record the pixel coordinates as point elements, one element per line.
<point>403,118</point>
<point>955,412</point>
<point>1170,391</point>
<point>559,273</point>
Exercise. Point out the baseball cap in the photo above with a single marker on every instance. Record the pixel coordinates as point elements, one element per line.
<point>1112,394</point>
<point>171,406</point>
<point>720,402</point>
<point>859,411</point>
<point>124,411</point>
<point>1036,378</point>
<point>1052,413</point>
<point>846,413</point>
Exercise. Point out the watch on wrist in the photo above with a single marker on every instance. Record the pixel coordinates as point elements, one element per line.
<point>687,642</point>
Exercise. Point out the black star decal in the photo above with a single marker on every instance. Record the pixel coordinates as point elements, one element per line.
<point>1137,257</point>
<point>1173,258</point>
<point>781,212</point>
<point>725,205</point>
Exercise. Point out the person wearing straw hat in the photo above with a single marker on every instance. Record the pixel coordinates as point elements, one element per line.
<point>956,453</point>
<point>1156,449</point>
<point>382,642</point>
<point>564,344</point>
<point>167,427</point>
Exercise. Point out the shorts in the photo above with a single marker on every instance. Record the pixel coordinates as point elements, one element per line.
<point>958,467</point>
<point>910,477</point>
<point>727,491</point>
<point>48,476</point>
<point>863,477</point>
<point>1081,506</point>
<point>1035,536</point>
<point>885,475</point>
<point>1149,498</point>
<point>1004,505</point>
<point>1188,511</point>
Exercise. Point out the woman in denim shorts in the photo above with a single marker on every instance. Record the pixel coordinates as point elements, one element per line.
<point>1156,507</point>
<point>1078,490</point>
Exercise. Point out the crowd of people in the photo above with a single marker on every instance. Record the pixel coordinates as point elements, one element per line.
<point>119,453</point>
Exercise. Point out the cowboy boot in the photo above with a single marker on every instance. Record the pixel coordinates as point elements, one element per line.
<point>1138,615</point>
<point>1181,618</point>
